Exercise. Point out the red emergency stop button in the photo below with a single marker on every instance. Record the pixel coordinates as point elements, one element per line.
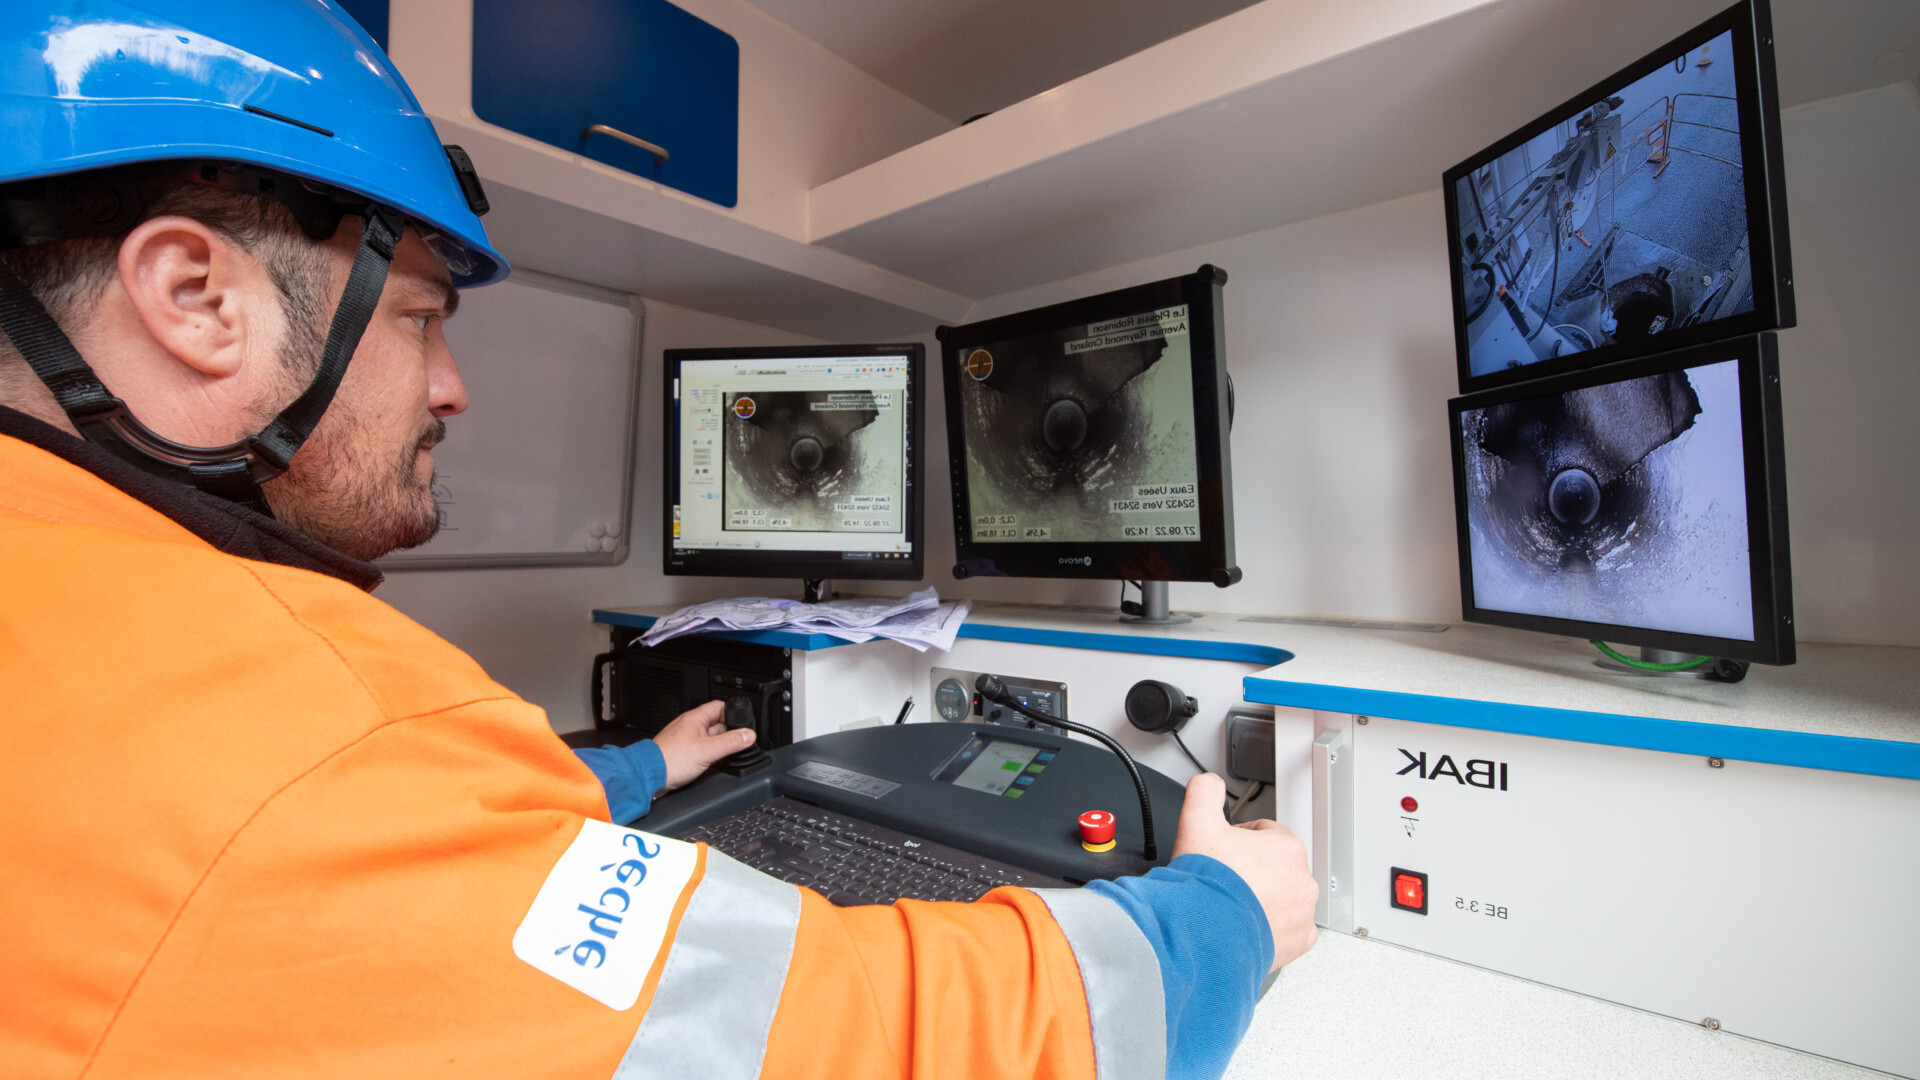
<point>1096,830</point>
<point>1409,890</point>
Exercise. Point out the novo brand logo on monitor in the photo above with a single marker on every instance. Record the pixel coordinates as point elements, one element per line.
<point>1081,560</point>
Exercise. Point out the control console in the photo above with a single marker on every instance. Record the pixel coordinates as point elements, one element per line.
<point>1013,796</point>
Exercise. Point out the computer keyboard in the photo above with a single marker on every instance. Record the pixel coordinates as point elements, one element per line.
<point>854,862</point>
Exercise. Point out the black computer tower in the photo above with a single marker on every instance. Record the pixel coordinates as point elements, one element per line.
<point>638,689</point>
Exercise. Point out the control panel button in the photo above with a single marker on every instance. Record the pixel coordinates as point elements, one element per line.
<point>1409,890</point>
<point>1096,830</point>
<point>1409,804</point>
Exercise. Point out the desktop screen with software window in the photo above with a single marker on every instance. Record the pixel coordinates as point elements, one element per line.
<point>794,462</point>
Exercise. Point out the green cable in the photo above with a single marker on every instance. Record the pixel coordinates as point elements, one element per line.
<point>1684,665</point>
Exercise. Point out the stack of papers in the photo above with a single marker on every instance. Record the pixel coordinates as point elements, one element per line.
<point>920,621</point>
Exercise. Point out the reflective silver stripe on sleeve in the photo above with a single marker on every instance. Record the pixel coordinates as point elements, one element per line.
<point>1125,1003</point>
<point>714,1006</point>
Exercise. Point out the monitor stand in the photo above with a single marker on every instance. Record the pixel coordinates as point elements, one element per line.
<point>816,590</point>
<point>1153,607</point>
<point>1659,656</point>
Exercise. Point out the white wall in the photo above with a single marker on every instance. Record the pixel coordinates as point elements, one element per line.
<point>530,628</point>
<point>1850,374</point>
<point>1339,343</point>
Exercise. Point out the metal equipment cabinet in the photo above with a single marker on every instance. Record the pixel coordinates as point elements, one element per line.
<point>602,77</point>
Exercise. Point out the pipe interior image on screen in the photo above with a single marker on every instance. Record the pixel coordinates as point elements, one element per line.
<point>1621,503</point>
<point>1085,433</point>
<point>802,460</point>
<point>1618,222</point>
<point>800,453</point>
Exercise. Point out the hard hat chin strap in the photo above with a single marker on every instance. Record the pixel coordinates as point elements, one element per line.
<point>233,472</point>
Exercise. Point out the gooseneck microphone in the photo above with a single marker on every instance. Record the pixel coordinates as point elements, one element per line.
<point>992,689</point>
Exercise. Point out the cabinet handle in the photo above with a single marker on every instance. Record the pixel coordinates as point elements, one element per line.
<point>659,152</point>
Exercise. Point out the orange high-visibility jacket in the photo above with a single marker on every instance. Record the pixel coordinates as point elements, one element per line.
<point>260,824</point>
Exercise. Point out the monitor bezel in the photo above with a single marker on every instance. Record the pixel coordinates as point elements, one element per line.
<point>1758,102</point>
<point>1763,458</point>
<point>1211,556</point>
<point>787,563</point>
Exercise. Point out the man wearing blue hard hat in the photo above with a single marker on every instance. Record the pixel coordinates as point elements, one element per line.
<point>261,824</point>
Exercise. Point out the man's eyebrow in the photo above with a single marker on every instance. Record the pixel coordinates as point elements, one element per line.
<point>427,291</point>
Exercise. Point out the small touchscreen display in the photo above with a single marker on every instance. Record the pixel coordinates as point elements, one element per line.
<point>996,766</point>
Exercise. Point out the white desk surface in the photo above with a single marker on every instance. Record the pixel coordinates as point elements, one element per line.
<point>1355,1009</point>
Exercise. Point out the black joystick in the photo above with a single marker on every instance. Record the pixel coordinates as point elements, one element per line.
<point>991,688</point>
<point>754,758</point>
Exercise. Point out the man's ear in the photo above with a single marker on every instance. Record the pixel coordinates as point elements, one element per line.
<point>199,296</point>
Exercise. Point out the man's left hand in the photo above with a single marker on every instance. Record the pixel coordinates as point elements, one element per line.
<point>695,740</point>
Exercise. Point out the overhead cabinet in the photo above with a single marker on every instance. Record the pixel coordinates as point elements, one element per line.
<point>636,84</point>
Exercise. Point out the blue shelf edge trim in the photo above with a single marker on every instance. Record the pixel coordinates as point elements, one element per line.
<point>1230,651</point>
<point>1265,656</point>
<point>786,639</point>
<point>1802,749</point>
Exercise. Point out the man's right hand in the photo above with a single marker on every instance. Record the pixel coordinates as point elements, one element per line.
<point>1269,858</point>
<point>695,740</point>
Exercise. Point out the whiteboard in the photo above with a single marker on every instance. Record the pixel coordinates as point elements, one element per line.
<point>539,470</point>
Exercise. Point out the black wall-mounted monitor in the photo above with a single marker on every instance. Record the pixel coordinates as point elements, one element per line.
<point>1089,439</point>
<point>794,462</point>
<point>1643,503</point>
<point>1648,213</point>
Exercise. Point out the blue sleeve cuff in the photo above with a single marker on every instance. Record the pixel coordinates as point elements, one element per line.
<point>631,776</point>
<point>1211,937</point>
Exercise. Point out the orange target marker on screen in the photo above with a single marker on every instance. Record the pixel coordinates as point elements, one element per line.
<point>979,363</point>
<point>743,407</point>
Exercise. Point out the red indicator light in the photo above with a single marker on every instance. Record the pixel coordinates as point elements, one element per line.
<point>1409,804</point>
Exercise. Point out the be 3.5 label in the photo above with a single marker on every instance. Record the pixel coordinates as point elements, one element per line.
<point>1480,907</point>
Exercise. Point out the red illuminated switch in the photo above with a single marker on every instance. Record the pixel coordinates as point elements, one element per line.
<point>1409,890</point>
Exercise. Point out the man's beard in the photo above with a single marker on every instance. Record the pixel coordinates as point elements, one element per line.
<point>344,493</point>
<point>342,488</point>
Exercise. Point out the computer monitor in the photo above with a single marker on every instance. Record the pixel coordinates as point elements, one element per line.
<point>794,462</point>
<point>1089,439</point>
<point>1648,213</point>
<point>1643,503</point>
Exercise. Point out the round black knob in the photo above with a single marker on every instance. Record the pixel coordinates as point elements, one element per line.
<point>1064,426</point>
<point>806,454</point>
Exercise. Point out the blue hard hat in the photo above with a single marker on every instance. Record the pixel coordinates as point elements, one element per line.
<point>293,86</point>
